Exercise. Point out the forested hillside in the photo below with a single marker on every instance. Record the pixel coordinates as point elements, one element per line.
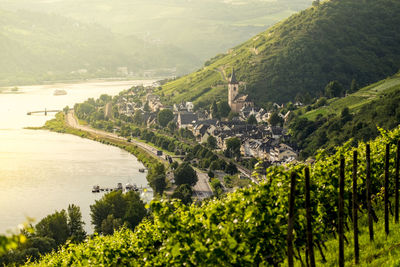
<point>356,116</point>
<point>334,40</point>
<point>36,47</point>
<point>201,28</point>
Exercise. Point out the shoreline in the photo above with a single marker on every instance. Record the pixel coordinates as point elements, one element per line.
<point>145,153</point>
<point>81,81</point>
<point>60,125</point>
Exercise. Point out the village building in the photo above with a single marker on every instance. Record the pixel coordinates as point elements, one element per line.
<point>186,119</point>
<point>184,106</point>
<point>235,100</point>
<point>282,153</point>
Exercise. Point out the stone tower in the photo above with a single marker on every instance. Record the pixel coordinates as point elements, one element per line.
<point>233,90</point>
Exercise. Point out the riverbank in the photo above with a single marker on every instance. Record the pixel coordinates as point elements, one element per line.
<point>59,124</point>
<point>202,188</point>
<point>5,86</point>
<point>145,153</point>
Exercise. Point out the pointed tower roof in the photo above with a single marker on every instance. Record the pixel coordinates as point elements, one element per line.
<point>233,80</point>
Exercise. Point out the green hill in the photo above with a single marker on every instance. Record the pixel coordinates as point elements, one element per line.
<point>335,40</point>
<point>248,227</point>
<point>37,46</point>
<point>355,116</point>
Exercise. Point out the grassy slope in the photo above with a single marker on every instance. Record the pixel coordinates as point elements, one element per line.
<point>339,40</point>
<point>356,100</point>
<point>383,251</point>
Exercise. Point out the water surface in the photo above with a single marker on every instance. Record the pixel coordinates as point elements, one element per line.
<point>41,171</point>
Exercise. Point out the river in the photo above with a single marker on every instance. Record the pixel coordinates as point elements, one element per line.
<point>41,171</point>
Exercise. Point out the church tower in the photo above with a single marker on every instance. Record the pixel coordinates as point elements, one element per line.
<point>233,90</point>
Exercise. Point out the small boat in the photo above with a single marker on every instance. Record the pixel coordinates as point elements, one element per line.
<point>131,187</point>
<point>96,189</point>
<point>119,186</point>
<point>60,92</point>
<point>142,170</point>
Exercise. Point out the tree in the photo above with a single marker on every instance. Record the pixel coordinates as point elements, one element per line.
<point>316,3</point>
<point>321,138</point>
<point>138,117</point>
<point>216,187</point>
<point>75,224</point>
<point>214,165</point>
<point>172,126</point>
<point>129,208</point>
<point>135,209</point>
<point>307,98</point>
<point>275,119</point>
<point>232,115</point>
<point>159,184</point>
<point>183,192</point>
<point>345,115</point>
<point>51,232</point>
<point>211,142</point>
<point>231,168</point>
<point>164,117</point>
<point>104,98</point>
<point>334,89</point>
<point>110,224</point>
<point>146,107</point>
<point>252,120</point>
<point>174,165</point>
<point>185,174</point>
<point>223,109</point>
<point>354,86</point>
<point>321,102</point>
<point>233,147</point>
<point>54,226</point>
<point>32,248</point>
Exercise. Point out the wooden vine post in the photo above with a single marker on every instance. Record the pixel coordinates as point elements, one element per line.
<point>310,245</point>
<point>355,210</point>
<point>396,204</point>
<point>368,180</point>
<point>341,213</point>
<point>291,218</point>
<point>387,189</point>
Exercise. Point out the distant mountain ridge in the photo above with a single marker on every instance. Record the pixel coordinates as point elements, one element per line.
<point>335,40</point>
<point>202,27</point>
<point>35,47</point>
